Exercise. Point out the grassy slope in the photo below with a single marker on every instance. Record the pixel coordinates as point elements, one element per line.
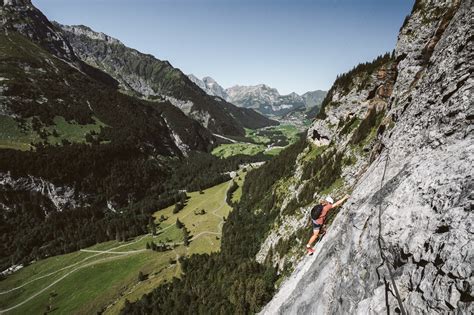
<point>13,137</point>
<point>98,279</point>
<point>231,149</point>
<point>19,137</point>
<point>12,134</point>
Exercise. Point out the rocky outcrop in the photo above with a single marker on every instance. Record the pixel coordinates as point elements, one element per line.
<point>339,146</point>
<point>404,240</point>
<point>62,197</point>
<point>368,94</point>
<point>22,17</point>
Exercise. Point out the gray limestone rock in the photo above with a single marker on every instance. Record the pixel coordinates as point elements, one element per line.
<point>410,213</point>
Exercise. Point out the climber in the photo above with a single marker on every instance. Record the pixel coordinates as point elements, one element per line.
<point>318,215</point>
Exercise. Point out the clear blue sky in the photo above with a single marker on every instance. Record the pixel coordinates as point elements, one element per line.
<point>292,45</point>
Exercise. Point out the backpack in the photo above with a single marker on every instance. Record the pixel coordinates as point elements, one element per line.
<point>316,212</point>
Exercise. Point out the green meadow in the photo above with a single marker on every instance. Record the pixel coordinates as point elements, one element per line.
<point>102,277</point>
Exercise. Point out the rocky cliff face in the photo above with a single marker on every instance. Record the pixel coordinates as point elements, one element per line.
<point>15,2</point>
<point>340,148</point>
<point>60,197</point>
<point>403,134</point>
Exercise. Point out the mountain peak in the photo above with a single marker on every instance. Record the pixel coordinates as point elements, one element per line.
<point>23,17</point>
<point>209,85</point>
<point>263,86</point>
<point>209,79</point>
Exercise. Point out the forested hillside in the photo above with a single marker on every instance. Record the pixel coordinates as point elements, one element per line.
<point>230,281</point>
<point>81,162</point>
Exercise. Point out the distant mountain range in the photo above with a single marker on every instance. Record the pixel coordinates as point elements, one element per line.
<point>261,97</point>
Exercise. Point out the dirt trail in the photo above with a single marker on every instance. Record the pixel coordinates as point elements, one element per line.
<point>75,264</point>
<point>54,282</point>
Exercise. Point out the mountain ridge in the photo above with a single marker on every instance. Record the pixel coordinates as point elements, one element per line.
<point>147,77</point>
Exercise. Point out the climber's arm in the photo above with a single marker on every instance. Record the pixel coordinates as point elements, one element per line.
<point>339,202</point>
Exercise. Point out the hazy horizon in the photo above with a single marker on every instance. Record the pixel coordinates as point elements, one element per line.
<point>293,46</point>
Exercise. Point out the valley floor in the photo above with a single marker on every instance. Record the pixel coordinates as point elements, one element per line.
<point>269,141</point>
<point>104,276</point>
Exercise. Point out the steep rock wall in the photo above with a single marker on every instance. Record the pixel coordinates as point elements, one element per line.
<point>411,211</point>
<point>339,148</point>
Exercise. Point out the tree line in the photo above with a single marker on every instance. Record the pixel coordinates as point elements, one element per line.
<point>137,184</point>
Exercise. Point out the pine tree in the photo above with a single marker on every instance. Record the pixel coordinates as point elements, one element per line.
<point>179,224</point>
<point>178,206</point>
<point>152,226</point>
<point>185,237</point>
